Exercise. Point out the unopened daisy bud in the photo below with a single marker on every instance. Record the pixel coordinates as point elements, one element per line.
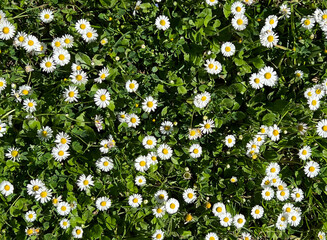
<point>145,201</point>
<point>240,137</point>
<point>205,117</point>
<point>92,63</point>
<point>172,82</point>
<point>175,123</point>
<point>187,169</point>
<point>208,205</point>
<point>285,131</point>
<point>92,198</point>
<point>312,36</point>
<point>117,58</point>
<point>187,175</point>
<point>188,217</point>
<point>209,52</point>
<point>175,3</point>
<point>227,166</point>
<point>13,86</point>
<point>143,46</point>
<point>228,152</point>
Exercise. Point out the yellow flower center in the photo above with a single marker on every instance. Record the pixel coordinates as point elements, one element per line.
<point>7,187</point>
<point>35,188</point>
<point>30,42</point>
<point>61,57</point>
<point>275,132</point>
<point>219,209</point>
<point>207,126</point>
<point>312,168</point>
<point>154,158</point>
<point>268,75</point>
<point>43,194</point>
<point>203,98</point>
<point>307,22</point>
<point>89,34</point>
<point>103,76</point>
<point>190,195</point>
<point>46,16</point>
<point>257,80</point>
<point>30,231</point>
<point>14,153</point>
<point>288,209</point>
<point>228,49</point>
<point>135,200</point>
<point>318,91</point>
<point>55,201</point>
<point>304,152</point>
<point>85,182</point>
<point>238,9</point>
<point>272,21</point>
<point>78,231</point>
<point>44,133</point>
<point>240,220</point>
<point>133,120</point>
<point>226,219</point>
<point>48,64</point>
<point>103,203</point>
<point>270,38</point>
<point>280,187</point>
<point>324,128</point>
<point>172,205</point>
<point>1,84</point>
<point>239,21</point>
<point>162,22</point>
<point>65,223</point>
<point>282,193</point>
<point>63,208</point>
<point>103,97</point>
<point>267,194</point>
<point>283,219</point>
<point>158,236</point>
<point>212,238</point>
<point>21,38</point>
<point>298,74</point>
<point>5,30</point>
<point>149,104</point>
<point>192,133</point>
<point>67,40</point>
<point>30,104</point>
<point>142,163</point>
<point>262,130</point>
<point>188,217</point>
<point>293,218</point>
<point>106,163</point>
<point>30,216</point>
<point>159,210</point>
<point>297,195</point>
<point>314,102</point>
<point>210,66</point>
<point>196,151</point>
<point>71,94</point>
<point>82,26</point>
<point>57,44</point>
<point>61,153</point>
<point>131,85</point>
<point>161,196</point>
<point>257,211</point>
<point>149,142</point>
<point>165,151</point>
<point>229,140</point>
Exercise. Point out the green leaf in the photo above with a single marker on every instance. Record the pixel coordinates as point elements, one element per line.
<point>83,58</point>
<point>181,90</point>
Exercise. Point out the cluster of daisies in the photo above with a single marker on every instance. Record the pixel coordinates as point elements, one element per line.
<point>315,94</point>
<point>319,16</point>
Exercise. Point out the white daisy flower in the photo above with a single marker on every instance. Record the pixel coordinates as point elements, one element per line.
<point>103,203</point>
<point>60,152</point>
<point>269,76</point>
<point>77,232</point>
<point>269,39</point>
<point>6,188</point>
<point>7,30</point>
<point>64,223</point>
<point>311,169</point>
<point>131,86</point>
<point>3,84</point>
<point>67,41</point>
<point>314,103</point>
<point>237,8</point>
<point>63,208</point>
<point>207,126</point>
<point>29,105</point>
<point>294,218</point>
<point>305,153</point>
<point>122,116</point>
<point>20,39</point>
<point>272,169</point>
<point>61,56</point>
<point>322,235</point>
<point>210,65</point>
<point>98,121</point>
<point>135,200</point>
<point>272,21</point>
<point>283,194</point>
<point>43,195</point>
<point>24,90</point>
<point>62,138</point>
<point>322,128</point>
<point>90,35</point>
<point>308,22</point>
<point>31,43</point>
<point>161,196</point>
<point>226,219</point>
<point>105,164</point>
<point>267,193</point>
<point>152,158</point>
<point>233,179</point>
<point>172,205</point>
<point>104,41</point>
<point>211,2</point>
<point>30,216</point>
<point>71,94</point>
<point>228,49</point>
<point>274,133</point>
<point>259,139</point>
<point>257,212</point>
<point>246,236</point>
<point>149,104</point>
<point>46,15</point>
<point>239,220</point>
<point>76,67</point>
<point>132,120</point>
<point>195,151</point>
<point>297,194</point>
<point>149,142</point>
<point>298,73</point>
<point>285,11</point>
<point>239,22</point>
<point>140,181</point>
<point>3,128</point>
<point>189,195</point>
<point>256,81</point>
<point>56,200</point>
<point>85,182</point>
<point>102,75</point>
<point>309,93</point>
<point>56,43</point>
<point>141,164</point>
<point>34,186</point>
<point>82,26</point>
<point>211,235</point>
<point>13,153</point>
<point>158,235</point>
<point>101,98</point>
<point>218,209</point>
<point>78,77</point>
<point>48,65</point>
<point>230,140</point>
<point>201,100</point>
<point>319,91</point>
<point>164,151</point>
<point>162,22</point>
<point>45,133</point>
<point>159,211</point>
<point>166,127</point>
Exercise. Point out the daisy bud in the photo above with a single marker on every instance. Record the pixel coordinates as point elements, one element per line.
<point>227,166</point>
<point>285,131</point>
<point>205,117</point>
<point>145,201</point>
<point>13,85</point>
<point>175,123</point>
<point>240,137</point>
<point>117,58</point>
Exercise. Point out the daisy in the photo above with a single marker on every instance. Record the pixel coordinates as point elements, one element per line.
<point>259,139</point>
<point>131,86</point>
<point>269,76</point>
<point>195,151</point>
<point>82,26</point>
<point>104,146</point>
<point>308,22</point>
<point>166,127</point>
<point>305,153</point>
<point>149,104</point>
<point>207,126</point>
<point>60,152</point>
<point>104,41</point>
<point>164,151</point>
<point>85,182</point>
<point>210,65</point>
<point>322,128</point>
<point>211,2</point>
<point>267,193</point>
<point>302,128</point>
<point>43,195</point>
<point>132,120</point>
<point>272,169</point>
<point>31,43</point>
<point>152,158</point>
<point>19,39</point>
<point>105,164</point>
<point>271,21</point>
<point>228,49</point>
<point>274,132</point>
<point>281,225</point>
<point>283,195</point>
<point>24,90</point>
<point>162,22</point>
<point>2,16</point>
<point>121,116</point>
<point>103,203</point>
<point>30,216</point>
<point>7,30</point>
<point>294,218</point>
<point>319,91</point>
<point>226,219</point>
<point>76,67</point>
<point>46,15</point>
<point>161,196</point>
<point>102,75</point>
<point>322,235</point>
<point>211,236</point>
<point>34,186</point>
<point>67,41</point>
<point>29,105</point>
<point>135,200</point>
<point>218,209</point>
<point>3,128</point>
<point>101,98</point>
<point>311,169</point>
<point>56,200</point>
<point>172,206</point>
<point>56,43</point>
<point>141,164</point>
<point>159,212</point>
<point>6,188</point>
<point>149,142</point>
<point>230,141</point>
<point>189,195</point>
<point>233,179</point>
<point>194,133</point>
<point>298,73</point>
<point>98,122</point>
<point>269,39</point>
<point>78,77</point>
<point>264,129</point>
<point>48,65</point>
<point>239,22</point>
<point>140,181</point>
<point>61,56</point>
<point>77,232</point>
<point>63,208</point>
<point>3,84</point>
<point>285,11</point>
<point>62,138</point>
<point>309,93</point>
<point>13,153</point>
<point>90,35</point>
<point>158,235</point>
<point>297,195</point>
<point>45,133</point>
<point>29,231</point>
<point>201,100</point>
<point>64,223</point>
<point>257,212</point>
<point>239,220</point>
<point>246,236</point>
<point>71,94</point>
<point>314,103</point>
